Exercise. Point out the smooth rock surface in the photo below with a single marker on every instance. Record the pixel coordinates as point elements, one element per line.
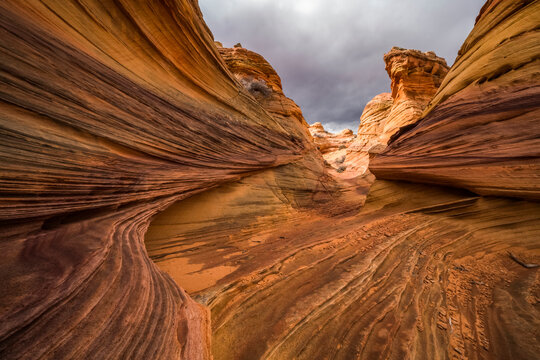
<point>369,132</point>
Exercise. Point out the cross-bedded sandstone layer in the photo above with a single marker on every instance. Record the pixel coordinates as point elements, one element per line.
<point>369,133</point>
<point>253,205</point>
<point>481,130</point>
<point>420,272</point>
<point>372,122</point>
<point>110,112</point>
<point>116,113</point>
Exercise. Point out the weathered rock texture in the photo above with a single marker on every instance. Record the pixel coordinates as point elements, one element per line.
<point>421,272</point>
<point>261,81</point>
<point>481,130</point>
<point>332,146</point>
<point>110,112</point>
<point>415,77</point>
<point>116,113</point>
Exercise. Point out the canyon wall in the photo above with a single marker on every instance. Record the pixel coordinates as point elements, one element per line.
<point>480,131</point>
<point>111,111</point>
<point>143,168</point>
<point>415,77</point>
<point>202,242</point>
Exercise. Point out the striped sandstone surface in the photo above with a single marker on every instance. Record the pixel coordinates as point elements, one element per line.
<point>161,198</point>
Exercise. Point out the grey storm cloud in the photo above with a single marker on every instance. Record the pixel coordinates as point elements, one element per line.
<point>329,53</point>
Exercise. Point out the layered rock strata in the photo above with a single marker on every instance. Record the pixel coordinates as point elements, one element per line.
<point>369,132</point>
<point>420,272</point>
<point>415,77</point>
<point>120,114</point>
<point>481,130</point>
<point>372,121</point>
<point>111,112</point>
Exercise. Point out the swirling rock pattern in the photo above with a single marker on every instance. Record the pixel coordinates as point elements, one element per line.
<point>420,272</point>
<point>110,112</point>
<point>251,206</point>
<point>481,130</point>
<point>116,114</point>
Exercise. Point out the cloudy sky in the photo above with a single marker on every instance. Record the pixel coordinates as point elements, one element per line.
<point>329,52</point>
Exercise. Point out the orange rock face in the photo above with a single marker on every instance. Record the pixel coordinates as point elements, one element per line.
<point>415,76</point>
<point>429,265</point>
<point>372,121</point>
<point>260,79</point>
<point>369,133</point>
<point>111,112</point>
<point>481,130</point>
<point>155,205</point>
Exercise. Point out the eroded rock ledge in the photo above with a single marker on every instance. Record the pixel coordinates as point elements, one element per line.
<point>262,81</point>
<point>481,130</point>
<point>415,77</point>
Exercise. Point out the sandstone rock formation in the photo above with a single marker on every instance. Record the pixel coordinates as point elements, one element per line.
<point>369,132</point>
<point>332,146</point>
<point>135,164</point>
<point>261,80</point>
<point>415,76</point>
<point>372,121</point>
<point>421,272</point>
<point>112,111</point>
<point>481,130</point>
